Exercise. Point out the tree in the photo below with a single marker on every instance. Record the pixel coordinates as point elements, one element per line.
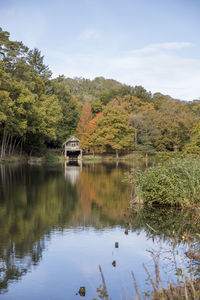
<point>15,102</point>
<point>193,146</point>
<point>36,61</point>
<point>88,137</point>
<point>175,121</point>
<point>10,51</point>
<point>96,106</point>
<point>114,131</point>
<point>43,118</point>
<point>70,110</point>
<point>86,116</point>
<point>139,92</point>
<point>145,130</point>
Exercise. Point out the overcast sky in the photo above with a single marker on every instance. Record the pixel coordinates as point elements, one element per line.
<point>153,43</point>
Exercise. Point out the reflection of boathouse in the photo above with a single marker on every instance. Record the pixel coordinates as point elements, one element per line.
<point>72,149</point>
<point>72,171</point>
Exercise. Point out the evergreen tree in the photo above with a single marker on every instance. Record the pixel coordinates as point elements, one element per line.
<point>36,61</point>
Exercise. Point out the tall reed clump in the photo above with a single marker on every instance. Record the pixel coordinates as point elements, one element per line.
<point>174,183</point>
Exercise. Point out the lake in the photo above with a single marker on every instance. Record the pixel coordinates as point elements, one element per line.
<point>59,223</point>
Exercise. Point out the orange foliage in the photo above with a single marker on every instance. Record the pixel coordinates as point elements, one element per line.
<point>87,140</point>
<point>86,116</point>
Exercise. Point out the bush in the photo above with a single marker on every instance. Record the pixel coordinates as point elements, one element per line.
<point>176,183</point>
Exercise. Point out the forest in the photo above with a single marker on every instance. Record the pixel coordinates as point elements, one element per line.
<point>38,112</point>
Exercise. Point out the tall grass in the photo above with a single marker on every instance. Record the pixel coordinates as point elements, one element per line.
<point>176,182</point>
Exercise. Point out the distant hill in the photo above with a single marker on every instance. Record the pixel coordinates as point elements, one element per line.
<point>84,88</point>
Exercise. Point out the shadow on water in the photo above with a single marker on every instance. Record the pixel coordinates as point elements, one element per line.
<point>37,201</point>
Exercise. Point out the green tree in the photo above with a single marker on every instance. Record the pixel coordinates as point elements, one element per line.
<point>193,146</point>
<point>10,51</point>
<point>36,61</point>
<point>139,92</point>
<point>70,110</point>
<point>175,122</point>
<point>114,131</point>
<point>43,119</point>
<point>15,102</point>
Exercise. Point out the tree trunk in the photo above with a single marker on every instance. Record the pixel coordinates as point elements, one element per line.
<point>2,145</point>
<point>7,142</point>
<point>117,154</point>
<point>10,148</point>
<point>13,147</point>
<point>135,139</point>
<point>21,147</point>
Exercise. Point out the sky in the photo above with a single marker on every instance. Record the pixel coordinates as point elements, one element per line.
<point>153,43</point>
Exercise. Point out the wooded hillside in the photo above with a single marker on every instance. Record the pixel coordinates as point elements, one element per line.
<point>37,112</point>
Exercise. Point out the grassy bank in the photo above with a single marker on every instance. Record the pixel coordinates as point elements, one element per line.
<point>13,159</point>
<point>112,157</point>
<point>49,157</point>
<point>174,182</point>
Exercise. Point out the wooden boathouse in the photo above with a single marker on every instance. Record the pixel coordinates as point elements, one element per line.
<point>72,149</point>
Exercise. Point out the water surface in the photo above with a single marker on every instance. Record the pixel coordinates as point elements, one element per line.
<point>59,223</point>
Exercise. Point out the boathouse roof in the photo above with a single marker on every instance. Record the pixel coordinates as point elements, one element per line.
<point>71,139</point>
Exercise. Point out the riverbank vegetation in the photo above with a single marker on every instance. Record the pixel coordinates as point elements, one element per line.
<point>38,112</point>
<point>175,182</point>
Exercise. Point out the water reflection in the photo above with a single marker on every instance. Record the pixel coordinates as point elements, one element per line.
<point>72,171</point>
<point>84,203</point>
<point>35,200</point>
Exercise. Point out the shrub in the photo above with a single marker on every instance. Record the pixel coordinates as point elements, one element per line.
<point>176,183</point>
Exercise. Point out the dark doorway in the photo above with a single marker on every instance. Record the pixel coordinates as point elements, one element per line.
<point>73,155</point>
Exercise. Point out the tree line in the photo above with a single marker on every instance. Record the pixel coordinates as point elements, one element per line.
<point>38,112</point>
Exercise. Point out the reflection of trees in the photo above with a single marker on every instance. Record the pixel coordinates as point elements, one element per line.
<point>166,223</point>
<point>32,201</point>
<point>102,192</point>
<point>12,266</point>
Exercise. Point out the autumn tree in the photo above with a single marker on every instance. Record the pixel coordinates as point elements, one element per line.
<point>86,116</point>
<point>175,121</point>
<point>114,131</point>
<point>88,139</point>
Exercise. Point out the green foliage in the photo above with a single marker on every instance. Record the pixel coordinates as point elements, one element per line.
<point>35,60</point>
<point>96,106</point>
<point>113,128</point>
<point>193,146</point>
<point>37,112</point>
<point>176,183</point>
<point>141,93</point>
<point>34,111</point>
<point>70,111</point>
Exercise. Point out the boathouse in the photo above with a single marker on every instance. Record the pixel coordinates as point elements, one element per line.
<point>72,149</point>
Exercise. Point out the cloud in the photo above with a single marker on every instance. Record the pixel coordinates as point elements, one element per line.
<point>89,34</point>
<point>158,69</point>
<point>162,46</point>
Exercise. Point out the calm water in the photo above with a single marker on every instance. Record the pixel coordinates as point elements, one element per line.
<point>58,224</point>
